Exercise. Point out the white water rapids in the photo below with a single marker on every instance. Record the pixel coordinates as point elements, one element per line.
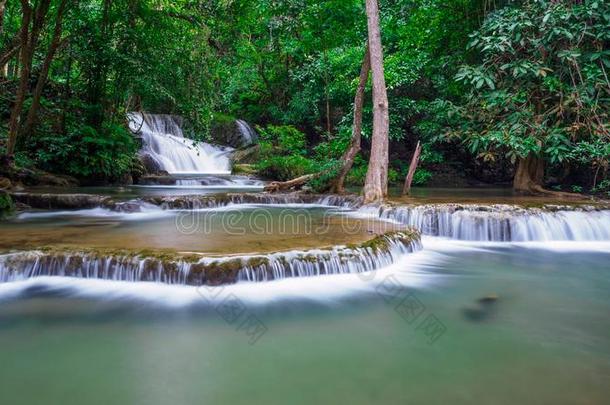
<point>163,139</point>
<point>500,223</point>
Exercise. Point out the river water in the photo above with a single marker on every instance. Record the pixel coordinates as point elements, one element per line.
<point>455,323</point>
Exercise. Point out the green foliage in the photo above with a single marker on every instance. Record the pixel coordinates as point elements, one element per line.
<point>330,170</point>
<point>282,140</point>
<point>284,168</point>
<point>283,153</point>
<point>603,187</point>
<point>85,152</point>
<point>541,86</point>
<point>357,175</point>
<point>6,204</point>
<point>533,80</point>
<point>421,177</point>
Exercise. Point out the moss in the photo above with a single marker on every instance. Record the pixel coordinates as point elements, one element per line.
<point>216,272</point>
<point>222,119</point>
<point>257,261</point>
<point>245,168</point>
<point>222,272</point>
<point>382,242</point>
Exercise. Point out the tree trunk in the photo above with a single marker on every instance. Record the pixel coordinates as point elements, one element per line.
<point>354,146</point>
<point>8,53</point>
<point>298,182</point>
<point>529,175</point>
<point>529,178</point>
<point>25,59</point>
<point>28,45</point>
<point>406,190</point>
<point>30,120</point>
<point>376,183</point>
<point>2,8</point>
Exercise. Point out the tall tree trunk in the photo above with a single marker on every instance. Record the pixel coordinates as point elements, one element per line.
<point>28,41</point>
<point>30,120</point>
<point>3,63</point>
<point>529,175</point>
<point>376,183</point>
<point>354,146</point>
<point>2,8</point>
<point>25,59</point>
<point>329,128</point>
<point>406,190</point>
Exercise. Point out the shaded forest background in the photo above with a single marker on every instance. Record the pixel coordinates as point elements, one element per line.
<point>483,85</point>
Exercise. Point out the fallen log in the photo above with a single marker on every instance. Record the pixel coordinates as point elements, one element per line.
<point>298,182</point>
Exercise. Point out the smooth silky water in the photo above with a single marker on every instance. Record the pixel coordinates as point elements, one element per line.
<point>327,339</point>
<point>458,322</point>
<point>231,230</point>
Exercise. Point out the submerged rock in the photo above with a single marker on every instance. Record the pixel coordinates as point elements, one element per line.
<point>484,311</point>
<point>488,299</point>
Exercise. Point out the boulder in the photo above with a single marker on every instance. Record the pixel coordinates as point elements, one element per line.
<point>151,166</point>
<point>61,201</point>
<point>231,132</point>
<point>5,183</point>
<point>36,177</point>
<point>247,155</point>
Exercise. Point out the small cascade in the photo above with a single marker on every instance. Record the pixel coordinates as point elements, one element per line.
<point>501,223</point>
<point>216,201</point>
<point>381,251</point>
<point>336,261</point>
<point>164,141</point>
<point>213,181</point>
<point>248,134</point>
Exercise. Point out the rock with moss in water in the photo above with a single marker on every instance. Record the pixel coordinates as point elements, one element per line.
<point>172,267</point>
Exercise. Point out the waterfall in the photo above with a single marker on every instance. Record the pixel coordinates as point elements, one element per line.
<point>383,251</point>
<point>215,201</point>
<point>164,141</point>
<point>248,134</point>
<point>501,223</point>
<point>493,223</point>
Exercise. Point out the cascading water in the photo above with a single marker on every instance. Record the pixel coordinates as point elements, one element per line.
<point>383,251</point>
<point>500,223</point>
<point>248,134</point>
<point>164,141</point>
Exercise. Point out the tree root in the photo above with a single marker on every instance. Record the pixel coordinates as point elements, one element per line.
<point>538,190</point>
